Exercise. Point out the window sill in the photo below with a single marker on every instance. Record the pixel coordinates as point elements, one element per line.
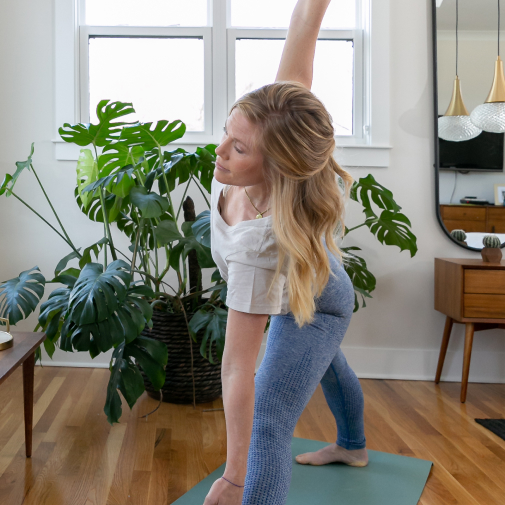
<point>346,155</point>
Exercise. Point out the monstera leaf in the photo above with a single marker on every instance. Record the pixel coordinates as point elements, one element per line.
<point>167,232</point>
<point>214,323</point>
<point>141,134</point>
<point>187,244</point>
<point>51,316</point>
<point>117,155</point>
<point>362,279</point>
<point>368,188</point>
<point>94,210</point>
<point>392,228</point>
<point>105,309</point>
<point>20,296</point>
<point>87,172</point>
<point>149,204</point>
<point>10,180</point>
<point>201,228</point>
<point>118,183</point>
<point>107,129</point>
<point>97,294</point>
<point>96,248</point>
<point>151,355</point>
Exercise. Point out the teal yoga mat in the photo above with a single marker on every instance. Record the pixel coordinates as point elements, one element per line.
<point>387,480</point>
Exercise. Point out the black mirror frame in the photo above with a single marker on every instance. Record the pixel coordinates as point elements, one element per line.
<point>435,129</point>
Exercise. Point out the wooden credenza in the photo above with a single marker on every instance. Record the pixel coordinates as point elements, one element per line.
<point>471,292</point>
<point>474,218</point>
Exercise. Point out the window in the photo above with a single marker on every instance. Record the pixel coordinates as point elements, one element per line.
<point>197,57</point>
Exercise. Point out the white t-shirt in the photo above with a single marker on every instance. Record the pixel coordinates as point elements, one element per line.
<point>247,256</point>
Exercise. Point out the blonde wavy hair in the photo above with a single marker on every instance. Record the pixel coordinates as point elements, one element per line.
<point>296,138</point>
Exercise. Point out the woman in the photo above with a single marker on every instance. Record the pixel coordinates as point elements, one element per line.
<point>275,207</point>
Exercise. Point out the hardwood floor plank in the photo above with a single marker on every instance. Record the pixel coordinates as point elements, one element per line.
<point>8,452</point>
<point>79,459</point>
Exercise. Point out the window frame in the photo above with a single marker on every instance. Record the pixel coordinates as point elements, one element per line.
<point>359,136</point>
<point>202,32</point>
<point>367,147</point>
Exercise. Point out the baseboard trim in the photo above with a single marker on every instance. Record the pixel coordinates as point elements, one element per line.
<point>384,363</point>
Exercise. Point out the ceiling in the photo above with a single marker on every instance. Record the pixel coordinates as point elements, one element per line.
<point>478,15</point>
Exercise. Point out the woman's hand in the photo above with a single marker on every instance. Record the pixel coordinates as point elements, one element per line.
<point>224,493</point>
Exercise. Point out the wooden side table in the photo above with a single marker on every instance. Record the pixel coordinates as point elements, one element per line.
<point>470,292</point>
<point>23,352</point>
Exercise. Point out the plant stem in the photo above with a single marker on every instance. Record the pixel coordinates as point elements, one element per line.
<point>160,160</point>
<point>106,223</point>
<point>183,196</point>
<point>192,178</point>
<point>141,272</point>
<point>155,249</point>
<point>129,259</point>
<point>50,204</point>
<point>105,250</point>
<point>105,217</point>
<point>47,222</point>
<point>203,194</point>
<point>359,226</point>
<point>135,248</point>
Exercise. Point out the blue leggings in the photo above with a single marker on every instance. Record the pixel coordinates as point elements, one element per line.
<point>296,360</point>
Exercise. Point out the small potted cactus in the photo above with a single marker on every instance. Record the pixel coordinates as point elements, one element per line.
<point>459,235</point>
<point>491,253</point>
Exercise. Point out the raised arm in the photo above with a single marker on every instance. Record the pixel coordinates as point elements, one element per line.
<point>298,55</point>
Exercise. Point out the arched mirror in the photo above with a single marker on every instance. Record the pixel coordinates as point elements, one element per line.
<point>469,101</point>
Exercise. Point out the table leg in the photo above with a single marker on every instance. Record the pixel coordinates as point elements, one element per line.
<point>443,348</point>
<point>28,381</point>
<point>466,359</point>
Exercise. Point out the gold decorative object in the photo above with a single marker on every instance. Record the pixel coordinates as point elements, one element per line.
<point>457,106</point>
<point>6,339</point>
<point>490,116</point>
<point>455,125</point>
<point>497,93</point>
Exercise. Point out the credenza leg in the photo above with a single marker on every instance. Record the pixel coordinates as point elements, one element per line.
<point>28,379</point>
<point>443,348</point>
<point>466,359</point>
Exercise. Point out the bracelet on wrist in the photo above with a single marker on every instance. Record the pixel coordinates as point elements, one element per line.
<point>230,481</point>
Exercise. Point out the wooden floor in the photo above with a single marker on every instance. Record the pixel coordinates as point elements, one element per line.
<point>79,459</point>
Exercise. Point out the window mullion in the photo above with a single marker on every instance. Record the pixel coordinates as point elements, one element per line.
<point>220,15</point>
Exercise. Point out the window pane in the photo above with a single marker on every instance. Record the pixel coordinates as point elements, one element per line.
<point>257,61</point>
<point>146,12</point>
<point>162,77</point>
<point>268,14</point>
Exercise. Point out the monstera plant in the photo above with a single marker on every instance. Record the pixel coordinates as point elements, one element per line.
<point>389,226</point>
<point>126,175</point>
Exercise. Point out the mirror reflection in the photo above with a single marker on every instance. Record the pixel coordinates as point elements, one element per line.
<point>471,119</point>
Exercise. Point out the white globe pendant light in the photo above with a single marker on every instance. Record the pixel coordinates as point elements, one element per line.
<point>490,116</point>
<point>455,125</point>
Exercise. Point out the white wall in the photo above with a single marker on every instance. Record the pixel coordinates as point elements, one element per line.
<point>397,335</point>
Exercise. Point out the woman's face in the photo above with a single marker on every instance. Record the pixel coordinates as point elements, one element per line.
<point>238,160</point>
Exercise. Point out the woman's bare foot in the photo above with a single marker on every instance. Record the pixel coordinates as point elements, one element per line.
<point>334,454</point>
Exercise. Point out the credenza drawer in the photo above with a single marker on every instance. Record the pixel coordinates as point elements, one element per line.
<point>484,281</point>
<point>464,213</point>
<point>486,306</point>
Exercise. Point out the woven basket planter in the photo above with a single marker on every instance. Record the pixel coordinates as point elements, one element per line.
<point>178,388</point>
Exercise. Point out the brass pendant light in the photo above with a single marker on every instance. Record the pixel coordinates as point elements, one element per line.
<point>455,125</point>
<point>490,116</point>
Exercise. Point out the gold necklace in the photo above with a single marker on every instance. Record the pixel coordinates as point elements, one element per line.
<point>260,214</point>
